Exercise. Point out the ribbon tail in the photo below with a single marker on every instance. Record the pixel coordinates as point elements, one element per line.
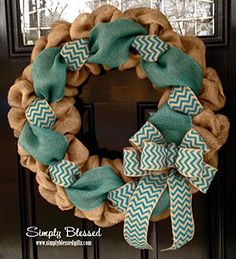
<point>181,210</point>
<point>141,205</point>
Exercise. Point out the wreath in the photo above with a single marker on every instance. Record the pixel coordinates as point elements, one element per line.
<point>173,155</point>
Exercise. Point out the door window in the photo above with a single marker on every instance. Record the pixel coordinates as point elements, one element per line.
<point>188,17</point>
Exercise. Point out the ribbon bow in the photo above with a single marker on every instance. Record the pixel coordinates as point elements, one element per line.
<point>150,157</point>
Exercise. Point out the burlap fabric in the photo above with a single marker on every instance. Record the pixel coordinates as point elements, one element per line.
<point>213,127</point>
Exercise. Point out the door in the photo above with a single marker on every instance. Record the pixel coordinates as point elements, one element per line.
<point>110,116</point>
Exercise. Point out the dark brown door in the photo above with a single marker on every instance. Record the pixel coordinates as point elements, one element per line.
<point>110,116</point>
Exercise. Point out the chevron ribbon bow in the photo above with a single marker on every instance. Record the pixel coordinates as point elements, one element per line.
<point>64,173</point>
<point>149,158</point>
<point>75,53</point>
<point>150,47</point>
<point>40,114</point>
<point>182,99</point>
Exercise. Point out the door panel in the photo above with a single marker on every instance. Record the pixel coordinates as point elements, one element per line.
<point>113,106</point>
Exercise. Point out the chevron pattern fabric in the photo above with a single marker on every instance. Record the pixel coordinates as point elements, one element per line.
<point>182,99</point>
<point>150,47</point>
<point>203,183</point>
<point>189,162</point>
<point>131,163</point>
<point>141,205</point>
<point>120,197</point>
<point>193,140</point>
<point>150,155</point>
<point>40,114</point>
<point>148,133</point>
<point>64,173</point>
<point>75,53</point>
<point>153,157</point>
<point>171,154</point>
<point>181,210</point>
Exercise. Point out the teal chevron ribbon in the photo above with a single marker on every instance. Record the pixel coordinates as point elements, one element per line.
<point>151,157</point>
<point>40,114</point>
<point>64,173</point>
<point>75,53</point>
<point>182,99</point>
<point>150,47</point>
<point>141,205</point>
<point>120,198</point>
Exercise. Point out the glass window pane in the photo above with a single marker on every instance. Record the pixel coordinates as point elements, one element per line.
<point>188,17</point>
<point>33,20</point>
<point>30,36</point>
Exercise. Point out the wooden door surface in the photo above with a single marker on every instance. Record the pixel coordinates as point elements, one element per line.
<point>113,106</point>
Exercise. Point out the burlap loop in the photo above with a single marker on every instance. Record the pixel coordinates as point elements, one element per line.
<point>76,147</point>
<point>27,73</point>
<point>29,162</point>
<point>61,199</point>
<point>83,24</point>
<point>16,118</point>
<point>212,94</point>
<point>213,128</point>
<point>153,20</point>
<point>59,34</point>
<point>76,78</point>
<point>21,94</point>
<point>40,45</point>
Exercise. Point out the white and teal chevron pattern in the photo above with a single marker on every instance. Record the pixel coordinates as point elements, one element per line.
<point>120,197</point>
<point>75,53</point>
<point>150,47</point>
<point>171,155</point>
<point>181,210</point>
<point>152,154</point>
<point>153,157</point>
<point>64,173</point>
<point>203,183</point>
<point>193,140</point>
<point>131,163</point>
<point>183,99</point>
<point>148,133</point>
<point>40,114</point>
<point>141,205</point>
<point>189,162</point>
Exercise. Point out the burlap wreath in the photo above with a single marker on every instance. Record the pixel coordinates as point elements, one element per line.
<point>212,127</point>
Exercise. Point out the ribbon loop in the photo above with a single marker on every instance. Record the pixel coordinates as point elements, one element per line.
<point>75,53</point>
<point>182,99</point>
<point>203,183</point>
<point>193,140</point>
<point>148,133</point>
<point>132,163</point>
<point>189,162</point>
<point>64,173</point>
<point>40,114</point>
<point>153,157</point>
<point>150,47</point>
